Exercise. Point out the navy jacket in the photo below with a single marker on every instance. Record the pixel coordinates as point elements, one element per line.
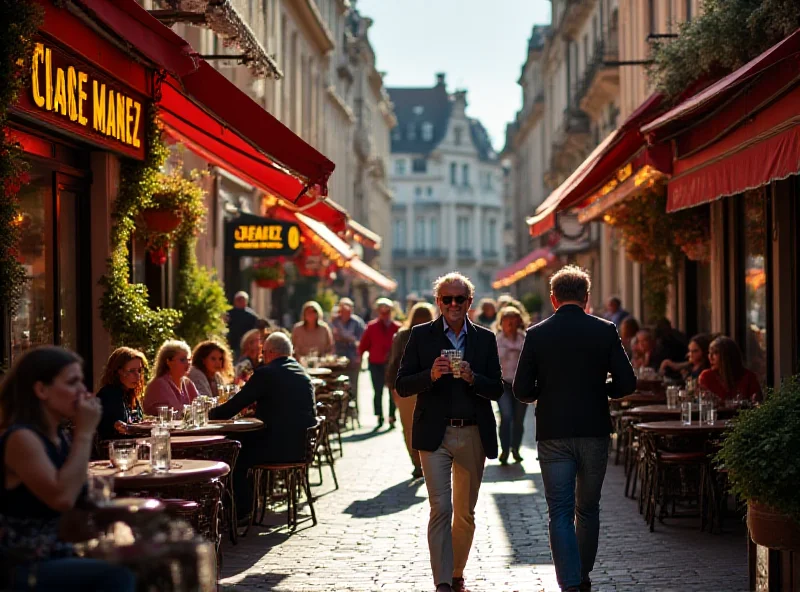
<point>434,398</point>
<point>285,403</point>
<point>564,366</point>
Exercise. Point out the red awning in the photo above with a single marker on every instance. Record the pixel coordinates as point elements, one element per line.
<point>787,52</point>
<point>358,267</point>
<point>530,263</point>
<point>619,148</point>
<point>249,132</point>
<point>333,247</point>
<point>766,148</point>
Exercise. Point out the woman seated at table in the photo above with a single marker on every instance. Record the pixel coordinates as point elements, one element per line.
<point>211,367</point>
<point>312,334</point>
<point>170,387</point>
<point>727,377</point>
<point>44,474</point>
<point>121,389</point>
<point>697,359</point>
<point>250,360</point>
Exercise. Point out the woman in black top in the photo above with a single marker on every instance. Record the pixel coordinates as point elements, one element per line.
<point>43,475</point>
<point>122,386</point>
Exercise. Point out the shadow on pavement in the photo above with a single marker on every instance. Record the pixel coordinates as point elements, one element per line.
<point>266,581</point>
<point>395,499</point>
<point>360,436</point>
<point>496,473</point>
<point>518,511</point>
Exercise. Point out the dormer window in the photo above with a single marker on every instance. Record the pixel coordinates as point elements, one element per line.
<point>457,133</point>
<point>427,131</point>
<point>411,132</point>
<point>418,110</point>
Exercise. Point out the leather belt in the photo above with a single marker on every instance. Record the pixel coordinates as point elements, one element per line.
<point>461,423</point>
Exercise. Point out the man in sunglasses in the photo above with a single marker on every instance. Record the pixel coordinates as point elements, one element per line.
<point>454,426</point>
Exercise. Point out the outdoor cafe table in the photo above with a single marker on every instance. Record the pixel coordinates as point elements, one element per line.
<point>214,426</point>
<point>678,428</point>
<point>652,411</point>
<point>318,372</point>
<point>142,477</point>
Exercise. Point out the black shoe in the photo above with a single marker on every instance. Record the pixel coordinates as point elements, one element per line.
<point>380,423</point>
<point>515,453</point>
<point>392,421</point>
<point>586,586</point>
<point>416,473</point>
<point>503,458</point>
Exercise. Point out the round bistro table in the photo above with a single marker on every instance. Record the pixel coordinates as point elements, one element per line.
<point>214,427</point>
<point>678,428</point>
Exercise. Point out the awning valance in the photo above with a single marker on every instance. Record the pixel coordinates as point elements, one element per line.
<point>612,154</point>
<point>332,246</point>
<point>363,235</point>
<point>530,263</point>
<point>370,274</point>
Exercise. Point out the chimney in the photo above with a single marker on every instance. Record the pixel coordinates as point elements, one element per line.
<point>459,99</point>
<point>440,79</point>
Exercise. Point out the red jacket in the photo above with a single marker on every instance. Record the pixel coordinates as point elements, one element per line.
<point>377,340</point>
<point>747,386</point>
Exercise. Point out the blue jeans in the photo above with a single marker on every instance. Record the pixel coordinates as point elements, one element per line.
<point>512,416</point>
<point>573,470</point>
<point>75,575</point>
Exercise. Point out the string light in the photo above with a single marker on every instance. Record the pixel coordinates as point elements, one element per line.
<point>532,267</point>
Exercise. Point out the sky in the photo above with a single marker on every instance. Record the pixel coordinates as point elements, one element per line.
<point>479,45</point>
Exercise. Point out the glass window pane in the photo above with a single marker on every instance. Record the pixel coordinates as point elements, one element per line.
<point>33,323</point>
<point>67,267</point>
<point>755,277</point>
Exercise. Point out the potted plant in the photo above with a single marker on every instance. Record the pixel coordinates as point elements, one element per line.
<point>762,455</point>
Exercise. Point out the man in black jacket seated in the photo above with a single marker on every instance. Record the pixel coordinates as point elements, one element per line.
<point>563,367</point>
<point>284,398</point>
<point>454,426</point>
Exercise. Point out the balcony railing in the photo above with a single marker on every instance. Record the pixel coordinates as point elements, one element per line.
<point>419,254</point>
<point>490,255</point>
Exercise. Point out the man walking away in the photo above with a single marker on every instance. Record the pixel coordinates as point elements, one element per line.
<point>454,427</point>
<point>377,342</point>
<point>563,368</point>
<point>241,319</point>
<point>347,331</point>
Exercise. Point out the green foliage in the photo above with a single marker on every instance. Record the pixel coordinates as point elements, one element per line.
<point>265,271</point>
<point>20,21</point>
<point>124,307</point>
<point>762,450</point>
<point>533,302</point>
<point>728,34</point>
<point>201,299</point>
<point>327,299</point>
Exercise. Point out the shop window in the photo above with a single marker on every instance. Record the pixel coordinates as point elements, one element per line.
<point>754,305</point>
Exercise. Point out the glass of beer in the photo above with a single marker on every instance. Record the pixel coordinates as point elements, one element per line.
<point>455,356</point>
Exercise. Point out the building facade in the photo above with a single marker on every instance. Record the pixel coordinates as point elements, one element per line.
<point>448,188</point>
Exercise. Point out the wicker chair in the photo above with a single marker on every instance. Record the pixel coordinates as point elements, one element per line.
<point>324,454</point>
<point>295,476</point>
<point>226,451</point>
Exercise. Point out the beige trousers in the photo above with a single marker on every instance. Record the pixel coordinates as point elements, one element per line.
<point>453,477</point>
<point>405,405</point>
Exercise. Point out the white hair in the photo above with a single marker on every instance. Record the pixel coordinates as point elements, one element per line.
<point>242,294</point>
<point>453,277</point>
<point>278,343</point>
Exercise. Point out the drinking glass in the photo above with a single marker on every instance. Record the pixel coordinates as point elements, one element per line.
<point>672,397</point>
<point>100,489</point>
<point>686,413</point>
<point>199,412</point>
<point>123,454</point>
<point>160,449</point>
<point>188,416</point>
<point>164,415</point>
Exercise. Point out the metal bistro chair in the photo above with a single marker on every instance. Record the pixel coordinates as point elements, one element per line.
<point>324,454</point>
<point>296,478</point>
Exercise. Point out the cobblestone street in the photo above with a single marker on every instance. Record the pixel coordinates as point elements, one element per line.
<point>371,533</point>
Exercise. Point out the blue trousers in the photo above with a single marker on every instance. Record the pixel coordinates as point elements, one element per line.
<point>74,575</point>
<point>512,417</point>
<point>573,470</point>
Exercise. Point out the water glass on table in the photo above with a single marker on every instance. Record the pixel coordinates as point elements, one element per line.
<point>160,449</point>
<point>164,415</point>
<point>686,413</point>
<point>123,454</point>
<point>100,489</point>
<point>673,393</point>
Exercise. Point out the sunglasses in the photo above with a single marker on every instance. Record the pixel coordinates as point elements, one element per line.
<point>447,300</point>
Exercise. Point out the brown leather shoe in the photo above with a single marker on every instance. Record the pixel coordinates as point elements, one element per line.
<point>459,585</point>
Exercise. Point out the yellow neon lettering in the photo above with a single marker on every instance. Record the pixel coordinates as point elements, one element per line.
<point>99,94</point>
<point>128,120</point>
<point>83,78</point>
<point>38,56</point>
<point>111,119</point>
<point>120,117</point>
<point>48,79</point>
<point>138,107</point>
<point>60,100</point>
<point>72,88</point>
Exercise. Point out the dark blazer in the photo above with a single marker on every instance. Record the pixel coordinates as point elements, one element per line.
<point>285,403</point>
<point>112,397</point>
<point>564,365</point>
<point>434,398</point>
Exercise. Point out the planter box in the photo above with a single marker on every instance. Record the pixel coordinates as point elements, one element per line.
<point>772,529</point>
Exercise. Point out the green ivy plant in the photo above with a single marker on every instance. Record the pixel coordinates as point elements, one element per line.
<point>762,450</point>
<point>20,21</point>
<point>201,301</point>
<point>727,35</point>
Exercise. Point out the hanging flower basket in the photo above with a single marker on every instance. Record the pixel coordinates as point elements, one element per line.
<point>161,220</point>
<point>699,251</point>
<point>270,284</point>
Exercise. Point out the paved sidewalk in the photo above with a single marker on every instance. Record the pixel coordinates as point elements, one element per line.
<point>371,534</point>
